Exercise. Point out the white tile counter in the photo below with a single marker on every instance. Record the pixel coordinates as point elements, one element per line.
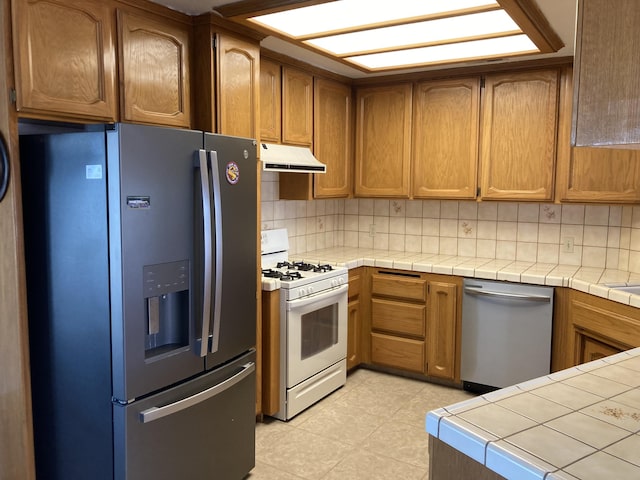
<point>586,279</point>
<point>580,423</point>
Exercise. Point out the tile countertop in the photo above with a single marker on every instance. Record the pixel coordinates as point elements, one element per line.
<point>579,423</point>
<point>586,279</point>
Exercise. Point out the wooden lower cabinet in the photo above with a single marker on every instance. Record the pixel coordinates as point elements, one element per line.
<point>591,349</point>
<point>588,327</point>
<point>415,322</point>
<point>354,318</point>
<point>397,352</point>
<point>269,351</point>
<point>443,328</point>
<point>398,317</point>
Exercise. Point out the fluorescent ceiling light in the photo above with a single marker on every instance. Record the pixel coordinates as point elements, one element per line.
<point>420,33</point>
<point>489,48</point>
<point>375,35</point>
<point>350,14</point>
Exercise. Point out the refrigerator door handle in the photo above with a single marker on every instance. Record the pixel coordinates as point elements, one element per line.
<point>217,215</point>
<point>206,213</point>
<point>155,413</point>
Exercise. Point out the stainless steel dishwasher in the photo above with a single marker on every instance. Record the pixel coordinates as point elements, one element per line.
<point>506,333</point>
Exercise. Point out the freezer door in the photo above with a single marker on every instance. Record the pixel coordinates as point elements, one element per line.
<point>204,428</point>
<point>150,177</point>
<point>233,185</point>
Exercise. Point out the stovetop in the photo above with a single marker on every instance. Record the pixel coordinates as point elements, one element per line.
<point>294,274</point>
<point>296,278</point>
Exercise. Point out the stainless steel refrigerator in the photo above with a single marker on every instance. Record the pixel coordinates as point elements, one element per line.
<point>140,246</point>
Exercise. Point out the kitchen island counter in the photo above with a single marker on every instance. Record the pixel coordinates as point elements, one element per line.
<point>578,423</point>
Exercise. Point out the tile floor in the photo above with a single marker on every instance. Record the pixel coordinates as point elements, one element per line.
<point>372,428</point>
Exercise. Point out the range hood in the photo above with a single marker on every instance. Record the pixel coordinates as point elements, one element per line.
<point>287,158</point>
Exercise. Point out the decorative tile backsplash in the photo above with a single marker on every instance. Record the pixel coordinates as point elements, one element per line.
<point>604,236</point>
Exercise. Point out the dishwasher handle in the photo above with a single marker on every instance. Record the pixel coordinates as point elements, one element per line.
<point>510,296</point>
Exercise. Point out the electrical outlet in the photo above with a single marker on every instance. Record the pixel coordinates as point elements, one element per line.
<point>372,230</point>
<point>567,244</point>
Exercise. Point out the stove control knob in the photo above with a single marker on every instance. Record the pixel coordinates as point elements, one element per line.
<point>302,292</point>
<point>340,280</point>
<point>334,282</point>
<point>310,290</point>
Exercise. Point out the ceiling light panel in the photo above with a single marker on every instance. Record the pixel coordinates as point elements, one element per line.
<point>457,28</point>
<point>348,15</point>
<point>458,52</point>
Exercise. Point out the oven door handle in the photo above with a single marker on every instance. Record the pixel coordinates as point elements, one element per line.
<point>323,295</point>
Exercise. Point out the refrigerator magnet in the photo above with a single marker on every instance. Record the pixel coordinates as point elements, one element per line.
<point>232,173</point>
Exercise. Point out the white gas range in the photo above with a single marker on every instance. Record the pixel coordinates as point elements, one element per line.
<point>313,336</point>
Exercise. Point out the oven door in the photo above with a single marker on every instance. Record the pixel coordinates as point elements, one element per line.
<point>316,333</point>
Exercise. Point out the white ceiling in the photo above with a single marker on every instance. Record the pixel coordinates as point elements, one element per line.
<point>561,14</point>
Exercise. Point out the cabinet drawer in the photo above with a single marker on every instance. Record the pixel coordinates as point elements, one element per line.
<point>399,286</point>
<point>398,317</point>
<point>397,352</point>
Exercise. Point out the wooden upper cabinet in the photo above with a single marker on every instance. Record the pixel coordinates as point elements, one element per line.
<point>445,138</point>
<point>270,101</point>
<point>518,145</point>
<point>297,107</point>
<point>238,77</point>
<point>383,141</point>
<point>607,78</point>
<point>65,59</point>
<point>587,174</point>
<point>154,70</point>
<point>332,127</point>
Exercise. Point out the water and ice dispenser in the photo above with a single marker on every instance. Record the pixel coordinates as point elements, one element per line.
<point>166,291</point>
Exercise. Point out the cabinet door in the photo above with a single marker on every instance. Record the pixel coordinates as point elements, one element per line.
<point>353,333</point>
<point>518,151</point>
<point>592,349</point>
<point>238,77</point>
<point>297,107</point>
<point>445,138</point>
<point>65,58</point>
<point>154,69</point>
<point>600,175</point>
<point>442,321</point>
<point>383,141</point>
<point>332,138</point>
<point>606,101</point>
<point>587,174</point>
<point>270,101</point>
